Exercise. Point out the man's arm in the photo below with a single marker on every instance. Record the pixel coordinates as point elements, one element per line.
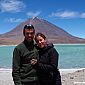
<point>16,67</point>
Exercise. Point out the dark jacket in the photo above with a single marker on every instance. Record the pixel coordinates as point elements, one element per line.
<point>22,70</point>
<point>48,65</point>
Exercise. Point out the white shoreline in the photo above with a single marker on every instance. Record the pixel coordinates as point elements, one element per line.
<point>54,44</point>
<point>7,45</point>
<point>68,76</point>
<point>62,71</point>
<point>71,44</point>
<point>66,71</point>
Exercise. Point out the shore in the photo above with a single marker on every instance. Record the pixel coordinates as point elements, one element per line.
<point>75,77</point>
<point>69,77</point>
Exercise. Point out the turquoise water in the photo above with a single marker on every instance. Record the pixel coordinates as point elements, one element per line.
<point>70,56</point>
<point>6,56</point>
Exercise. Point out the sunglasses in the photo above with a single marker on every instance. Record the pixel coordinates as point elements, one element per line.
<point>28,26</point>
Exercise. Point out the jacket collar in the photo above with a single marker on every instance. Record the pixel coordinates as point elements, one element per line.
<point>29,45</point>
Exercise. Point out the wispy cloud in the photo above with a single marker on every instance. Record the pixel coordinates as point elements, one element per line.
<point>67,14</point>
<point>33,14</point>
<point>82,15</point>
<point>14,20</point>
<point>11,5</point>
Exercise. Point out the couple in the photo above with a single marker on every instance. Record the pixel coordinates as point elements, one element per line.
<point>35,64</point>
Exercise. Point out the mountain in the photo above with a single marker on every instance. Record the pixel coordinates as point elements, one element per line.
<point>54,33</point>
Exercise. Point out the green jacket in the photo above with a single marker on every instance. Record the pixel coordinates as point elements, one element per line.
<point>22,70</point>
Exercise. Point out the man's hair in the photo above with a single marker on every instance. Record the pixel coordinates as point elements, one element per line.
<point>28,26</point>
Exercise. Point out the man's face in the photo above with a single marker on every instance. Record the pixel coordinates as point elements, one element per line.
<point>29,34</point>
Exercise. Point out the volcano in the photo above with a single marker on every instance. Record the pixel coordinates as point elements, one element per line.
<point>54,33</point>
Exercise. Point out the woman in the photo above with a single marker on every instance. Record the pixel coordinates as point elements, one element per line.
<point>47,66</point>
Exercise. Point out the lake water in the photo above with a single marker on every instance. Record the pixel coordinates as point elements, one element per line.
<point>70,56</point>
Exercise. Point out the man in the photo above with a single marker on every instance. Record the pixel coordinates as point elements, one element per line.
<point>23,71</point>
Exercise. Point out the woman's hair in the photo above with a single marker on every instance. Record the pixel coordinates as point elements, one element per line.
<point>39,34</point>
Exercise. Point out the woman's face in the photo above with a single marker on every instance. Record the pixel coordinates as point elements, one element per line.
<point>41,42</point>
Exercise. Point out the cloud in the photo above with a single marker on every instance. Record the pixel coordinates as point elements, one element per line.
<point>67,14</point>
<point>11,5</point>
<point>33,14</point>
<point>12,20</point>
<point>82,15</point>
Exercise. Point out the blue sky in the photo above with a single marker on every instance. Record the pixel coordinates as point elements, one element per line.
<point>66,14</point>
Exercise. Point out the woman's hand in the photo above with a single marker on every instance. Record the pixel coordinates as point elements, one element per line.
<point>33,61</point>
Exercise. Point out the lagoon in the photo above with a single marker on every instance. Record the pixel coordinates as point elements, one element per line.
<point>70,56</point>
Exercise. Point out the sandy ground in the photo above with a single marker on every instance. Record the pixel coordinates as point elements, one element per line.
<point>69,77</point>
<point>75,78</point>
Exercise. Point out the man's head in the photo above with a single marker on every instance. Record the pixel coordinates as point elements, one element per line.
<point>29,32</point>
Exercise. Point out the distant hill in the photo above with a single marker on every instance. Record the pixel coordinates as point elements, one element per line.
<point>54,33</point>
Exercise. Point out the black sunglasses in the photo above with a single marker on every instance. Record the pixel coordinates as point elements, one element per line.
<point>28,26</point>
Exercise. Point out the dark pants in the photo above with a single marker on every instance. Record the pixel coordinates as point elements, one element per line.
<point>58,79</point>
<point>58,82</point>
<point>31,83</point>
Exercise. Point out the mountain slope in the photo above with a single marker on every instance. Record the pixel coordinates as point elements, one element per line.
<point>53,33</point>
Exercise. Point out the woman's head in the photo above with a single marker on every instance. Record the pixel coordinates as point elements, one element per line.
<point>40,40</point>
